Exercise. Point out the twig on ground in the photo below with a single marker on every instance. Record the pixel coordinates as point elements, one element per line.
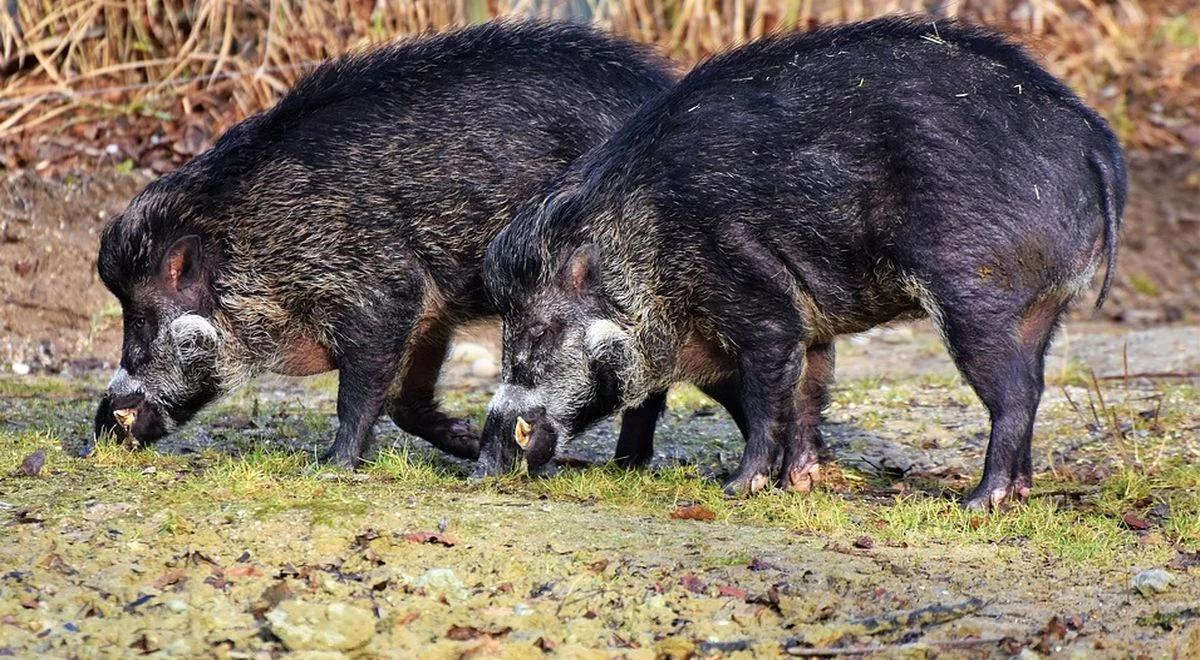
<point>831,651</point>
<point>1152,374</point>
<point>925,616</point>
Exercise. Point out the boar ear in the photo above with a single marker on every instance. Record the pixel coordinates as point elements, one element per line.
<point>181,265</point>
<point>582,271</point>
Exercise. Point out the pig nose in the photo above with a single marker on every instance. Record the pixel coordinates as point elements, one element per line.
<point>126,401</point>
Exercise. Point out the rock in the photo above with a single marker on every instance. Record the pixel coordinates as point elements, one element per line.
<point>20,368</point>
<point>469,352</point>
<point>304,626</point>
<point>484,368</point>
<point>179,648</point>
<point>1153,581</point>
<point>176,605</point>
<point>442,582</point>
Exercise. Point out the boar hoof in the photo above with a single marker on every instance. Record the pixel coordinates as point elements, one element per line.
<point>994,499</point>
<point>336,459</point>
<point>801,479</point>
<point>488,469</point>
<point>742,486</point>
<point>87,449</point>
<point>462,441</point>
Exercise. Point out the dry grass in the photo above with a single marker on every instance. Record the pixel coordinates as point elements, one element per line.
<point>70,66</point>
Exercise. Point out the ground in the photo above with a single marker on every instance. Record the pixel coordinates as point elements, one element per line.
<point>227,539</point>
<point>230,540</point>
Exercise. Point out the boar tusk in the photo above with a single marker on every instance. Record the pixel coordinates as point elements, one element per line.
<point>521,432</point>
<point>126,417</point>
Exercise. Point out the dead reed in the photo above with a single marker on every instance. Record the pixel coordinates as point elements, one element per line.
<point>77,67</point>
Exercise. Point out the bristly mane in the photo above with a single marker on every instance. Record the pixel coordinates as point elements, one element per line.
<point>426,60</point>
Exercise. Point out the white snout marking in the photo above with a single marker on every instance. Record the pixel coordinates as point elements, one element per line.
<point>194,337</point>
<point>122,383</point>
<point>602,334</point>
<point>513,398</point>
<point>189,326</point>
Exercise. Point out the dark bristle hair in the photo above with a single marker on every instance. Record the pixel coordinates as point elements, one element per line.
<point>516,262</point>
<point>370,79</point>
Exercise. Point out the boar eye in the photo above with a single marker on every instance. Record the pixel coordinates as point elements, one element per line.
<point>139,324</point>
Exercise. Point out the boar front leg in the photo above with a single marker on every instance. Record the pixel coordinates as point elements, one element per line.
<point>368,359</point>
<point>635,446</point>
<point>414,406</point>
<point>769,374</point>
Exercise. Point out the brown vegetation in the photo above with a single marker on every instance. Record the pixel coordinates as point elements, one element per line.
<point>159,79</point>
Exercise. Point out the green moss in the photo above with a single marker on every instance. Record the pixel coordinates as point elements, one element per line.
<point>1086,528</point>
<point>1144,285</point>
<point>30,387</point>
<point>1073,373</point>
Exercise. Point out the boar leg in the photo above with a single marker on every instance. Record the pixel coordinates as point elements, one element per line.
<point>414,406</point>
<point>635,446</point>
<point>367,367</point>
<point>800,466</point>
<point>725,393</point>
<point>1005,366</point>
<point>767,389</point>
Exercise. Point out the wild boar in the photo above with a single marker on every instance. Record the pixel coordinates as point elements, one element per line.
<point>793,190</point>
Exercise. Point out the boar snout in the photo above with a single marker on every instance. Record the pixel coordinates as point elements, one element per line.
<point>129,417</point>
<point>510,434</point>
<point>115,416</point>
<point>498,448</point>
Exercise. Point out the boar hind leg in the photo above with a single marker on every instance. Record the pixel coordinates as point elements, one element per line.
<point>414,406</point>
<point>1002,357</point>
<point>635,446</point>
<point>800,465</point>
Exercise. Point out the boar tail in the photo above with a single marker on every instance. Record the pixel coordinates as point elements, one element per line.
<point>1110,168</point>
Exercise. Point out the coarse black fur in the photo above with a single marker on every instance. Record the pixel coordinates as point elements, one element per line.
<point>806,186</point>
<point>345,227</point>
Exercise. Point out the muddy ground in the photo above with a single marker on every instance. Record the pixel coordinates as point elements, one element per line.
<point>228,540</point>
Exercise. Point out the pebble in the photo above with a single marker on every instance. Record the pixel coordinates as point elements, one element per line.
<point>442,582</point>
<point>1153,581</point>
<point>468,352</point>
<point>20,368</point>
<point>177,606</point>
<point>179,648</point>
<point>484,368</point>
<point>304,626</point>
